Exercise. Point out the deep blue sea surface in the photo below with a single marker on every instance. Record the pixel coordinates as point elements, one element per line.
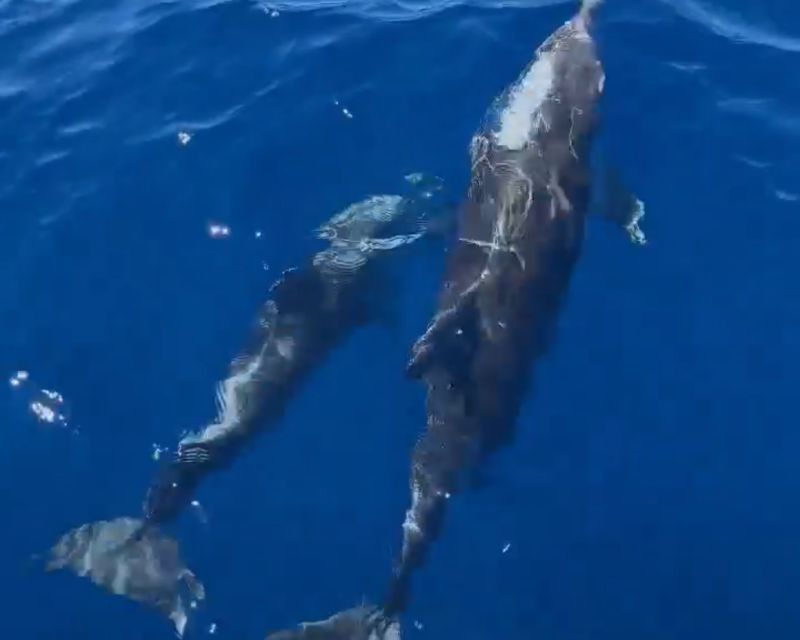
<point>652,491</point>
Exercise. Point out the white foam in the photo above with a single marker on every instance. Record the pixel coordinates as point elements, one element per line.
<point>18,378</point>
<point>43,412</point>
<point>518,120</point>
<point>635,232</point>
<point>55,396</point>
<point>218,230</point>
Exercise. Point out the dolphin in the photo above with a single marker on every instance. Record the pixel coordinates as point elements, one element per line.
<point>309,311</point>
<point>520,232</point>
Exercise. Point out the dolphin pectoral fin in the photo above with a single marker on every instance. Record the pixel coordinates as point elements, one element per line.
<point>449,328</point>
<point>621,207</point>
<point>129,558</point>
<point>359,623</point>
<point>420,358</point>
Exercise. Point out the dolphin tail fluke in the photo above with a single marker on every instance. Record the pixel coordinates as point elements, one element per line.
<point>130,558</point>
<point>360,623</point>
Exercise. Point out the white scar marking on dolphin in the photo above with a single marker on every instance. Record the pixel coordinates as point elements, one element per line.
<point>558,199</point>
<point>522,116</point>
<point>572,112</point>
<point>513,204</point>
<point>410,523</point>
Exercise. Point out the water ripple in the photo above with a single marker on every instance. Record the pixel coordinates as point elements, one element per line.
<point>399,10</point>
<point>734,27</point>
<point>765,110</point>
<point>786,196</point>
<point>172,128</point>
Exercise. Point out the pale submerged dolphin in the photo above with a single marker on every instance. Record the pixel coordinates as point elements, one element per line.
<point>310,311</point>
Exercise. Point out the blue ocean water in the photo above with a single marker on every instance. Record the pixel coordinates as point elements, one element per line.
<point>652,489</point>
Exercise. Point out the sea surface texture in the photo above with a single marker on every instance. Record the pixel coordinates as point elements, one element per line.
<point>161,162</point>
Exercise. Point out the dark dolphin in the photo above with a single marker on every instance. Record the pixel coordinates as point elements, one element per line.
<point>520,235</point>
<point>310,311</point>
